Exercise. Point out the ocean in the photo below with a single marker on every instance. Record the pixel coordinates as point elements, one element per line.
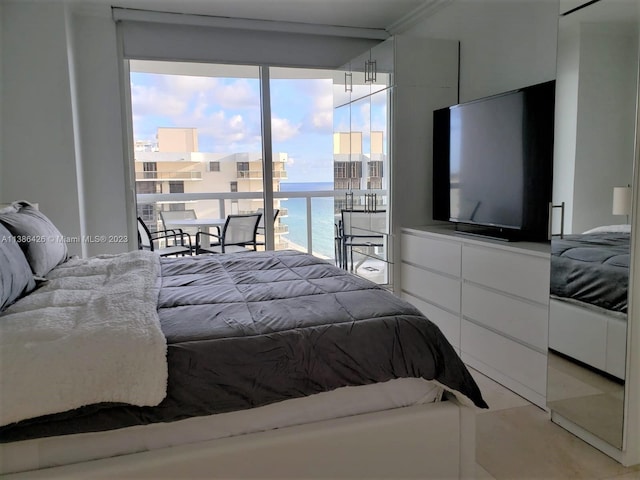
<point>322,214</point>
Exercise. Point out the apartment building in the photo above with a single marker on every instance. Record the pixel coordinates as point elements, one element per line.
<point>171,163</point>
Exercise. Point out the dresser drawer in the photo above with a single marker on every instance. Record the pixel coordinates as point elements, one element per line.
<point>525,321</point>
<point>519,274</point>
<point>442,256</point>
<point>437,289</point>
<point>513,360</point>
<point>448,323</point>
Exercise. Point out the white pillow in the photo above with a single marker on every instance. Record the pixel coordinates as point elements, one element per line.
<point>623,228</point>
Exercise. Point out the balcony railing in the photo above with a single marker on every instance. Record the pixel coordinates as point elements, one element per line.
<point>257,174</point>
<point>144,176</point>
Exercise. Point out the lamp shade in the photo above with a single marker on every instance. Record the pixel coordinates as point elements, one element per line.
<point>621,200</point>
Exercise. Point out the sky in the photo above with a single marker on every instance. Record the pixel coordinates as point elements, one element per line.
<point>226,112</point>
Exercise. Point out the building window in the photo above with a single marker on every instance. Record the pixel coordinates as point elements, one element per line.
<point>233,186</point>
<point>147,213</point>
<point>214,166</point>
<point>148,187</point>
<point>355,170</point>
<point>375,169</point>
<point>176,186</point>
<point>243,169</point>
<point>347,170</point>
<point>150,169</point>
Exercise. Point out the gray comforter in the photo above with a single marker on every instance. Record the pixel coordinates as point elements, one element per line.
<point>245,330</point>
<point>592,268</point>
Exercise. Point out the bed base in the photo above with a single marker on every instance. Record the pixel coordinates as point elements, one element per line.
<point>595,337</point>
<point>435,440</point>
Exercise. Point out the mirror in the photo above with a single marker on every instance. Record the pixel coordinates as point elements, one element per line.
<point>596,96</point>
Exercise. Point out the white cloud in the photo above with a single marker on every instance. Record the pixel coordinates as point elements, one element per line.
<point>239,94</point>
<point>282,129</point>
<point>322,116</point>
<point>151,100</point>
<point>186,86</point>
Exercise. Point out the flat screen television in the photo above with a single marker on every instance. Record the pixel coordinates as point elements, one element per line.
<point>493,164</point>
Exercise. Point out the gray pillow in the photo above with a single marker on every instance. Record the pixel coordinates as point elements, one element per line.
<point>16,278</point>
<point>42,243</point>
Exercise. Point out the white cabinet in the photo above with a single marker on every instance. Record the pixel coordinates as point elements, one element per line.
<point>490,299</point>
<point>383,131</point>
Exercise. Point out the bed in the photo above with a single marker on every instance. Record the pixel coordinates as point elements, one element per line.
<point>588,309</point>
<point>189,365</point>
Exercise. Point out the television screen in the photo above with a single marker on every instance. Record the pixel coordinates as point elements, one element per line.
<point>486,162</point>
<point>493,162</point>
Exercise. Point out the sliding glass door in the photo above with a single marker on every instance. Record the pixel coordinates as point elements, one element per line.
<point>199,149</point>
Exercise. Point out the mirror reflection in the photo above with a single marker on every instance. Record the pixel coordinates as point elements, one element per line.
<point>596,94</point>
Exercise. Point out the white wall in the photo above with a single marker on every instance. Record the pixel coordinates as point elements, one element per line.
<point>505,44</point>
<point>61,113</point>
<point>38,157</point>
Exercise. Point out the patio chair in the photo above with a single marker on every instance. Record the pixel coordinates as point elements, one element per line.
<point>261,230</point>
<point>238,235</point>
<point>181,242</point>
<point>166,217</point>
<point>358,230</point>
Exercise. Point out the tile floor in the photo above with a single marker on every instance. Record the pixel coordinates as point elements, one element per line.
<point>516,440</point>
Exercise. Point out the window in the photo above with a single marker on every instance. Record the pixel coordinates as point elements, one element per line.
<point>176,187</point>
<point>375,168</point>
<point>303,153</point>
<point>147,213</point>
<point>242,169</point>
<point>347,170</point>
<point>150,169</point>
<point>149,187</point>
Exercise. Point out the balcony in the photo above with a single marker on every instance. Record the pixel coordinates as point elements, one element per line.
<point>166,176</point>
<point>306,223</point>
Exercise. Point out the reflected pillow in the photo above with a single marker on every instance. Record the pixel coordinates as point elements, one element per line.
<point>42,243</point>
<point>623,228</point>
<point>16,278</point>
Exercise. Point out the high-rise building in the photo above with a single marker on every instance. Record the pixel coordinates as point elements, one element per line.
<point>172,164</point>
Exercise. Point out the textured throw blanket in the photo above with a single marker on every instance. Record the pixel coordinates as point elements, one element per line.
<point>89,334</point>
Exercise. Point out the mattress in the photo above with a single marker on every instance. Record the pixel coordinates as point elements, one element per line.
<point>592,269</point>
<point>250,330</point>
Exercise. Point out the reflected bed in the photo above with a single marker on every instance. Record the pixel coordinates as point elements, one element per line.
<point>589,289</point>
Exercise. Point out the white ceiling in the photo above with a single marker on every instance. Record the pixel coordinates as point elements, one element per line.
<point>354,13</point>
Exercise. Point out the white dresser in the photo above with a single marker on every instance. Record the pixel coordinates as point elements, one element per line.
<point>489,298</point>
